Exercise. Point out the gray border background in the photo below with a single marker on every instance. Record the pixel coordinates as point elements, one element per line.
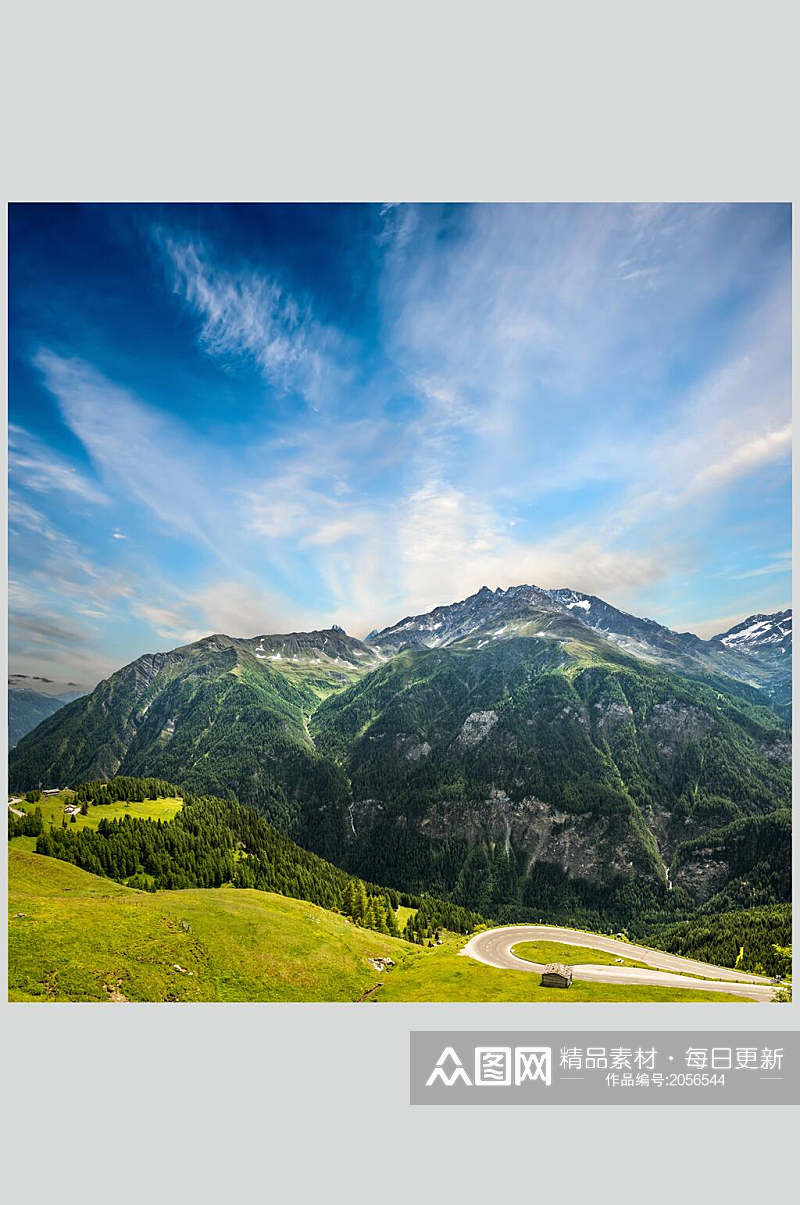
<point>366,100</point>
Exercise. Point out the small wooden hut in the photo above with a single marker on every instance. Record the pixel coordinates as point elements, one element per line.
<point>556,974</point>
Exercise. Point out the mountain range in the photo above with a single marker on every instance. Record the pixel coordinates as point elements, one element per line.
<point>27,708</point>
<point>519,750</point>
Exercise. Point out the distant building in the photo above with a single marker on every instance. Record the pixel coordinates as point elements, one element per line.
<point>52,791</point>
<point>556,974</point>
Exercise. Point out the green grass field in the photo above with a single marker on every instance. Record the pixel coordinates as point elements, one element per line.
<point>557,951</point>
<point>75,936</point>
<point>402,914</point>
<point>52,808</point>
<point>444,975</point>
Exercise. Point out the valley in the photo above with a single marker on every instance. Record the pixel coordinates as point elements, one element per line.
<point>76,936</point>
<point>523,756</point>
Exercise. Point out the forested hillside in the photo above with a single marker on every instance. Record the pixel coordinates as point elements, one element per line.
<point>756,940</point>
<point>528,773</point>
<point>217,716</point>
<point>511,769</point>
<point>212,842</point>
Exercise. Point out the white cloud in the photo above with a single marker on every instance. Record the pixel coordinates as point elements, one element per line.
<point>22,517</point>
<point>244,312</point>
<point>139,450</point>
<point>169,622</point>
<point>236,607</point>
<point>519,318</point>
<point>34,466</point>
<point>741,460</point>
<point>439,544</point>
<point>527,343</point>
<point>781,564</point>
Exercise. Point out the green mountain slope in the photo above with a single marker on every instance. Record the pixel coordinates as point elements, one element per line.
<point>221,716</point>
<point>757,940</point>
<point>75,936</point>
<point>527,766</point>
<point>493,770</point>
<point>744,865</point>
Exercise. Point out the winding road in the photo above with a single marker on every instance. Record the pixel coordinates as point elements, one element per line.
<point>494,948</point>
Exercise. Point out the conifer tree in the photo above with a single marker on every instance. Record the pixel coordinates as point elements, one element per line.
<point>391,921</point>
<point>360,903</point>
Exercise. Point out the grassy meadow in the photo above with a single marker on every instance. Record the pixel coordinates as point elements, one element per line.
<point>558,951</point>
<point>52,809</point>
<point>76,936</point>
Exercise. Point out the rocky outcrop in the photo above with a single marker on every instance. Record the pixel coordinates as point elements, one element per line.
<point>779,752</point>
<point>702,875</point>
<point>609,715</point>
<point>581,844</point>
<point>476,728</point>
<point>673,724</point>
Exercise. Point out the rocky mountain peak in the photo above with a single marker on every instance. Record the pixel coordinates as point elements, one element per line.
<point>759,634</point>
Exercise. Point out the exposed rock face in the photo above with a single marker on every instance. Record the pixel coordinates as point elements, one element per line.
<point>580,844</point>
<point>575,715</point>
<point>476,728</point>
<point>672,724</point>
<point>779,752</point>
<point>703,875</point>
<point>610,715</point>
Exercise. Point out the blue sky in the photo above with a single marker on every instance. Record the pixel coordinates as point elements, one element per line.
<point>258,419</point>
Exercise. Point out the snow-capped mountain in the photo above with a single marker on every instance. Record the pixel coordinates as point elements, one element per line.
<point>747,653</point>
<point>457,621</point>
<point>761,634</point>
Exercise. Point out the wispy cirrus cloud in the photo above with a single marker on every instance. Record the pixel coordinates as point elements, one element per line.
<point>244,312</point>
<point>780,564</point>
<point>138,450</point>
<point>565,395</point>
<point>37,467</point>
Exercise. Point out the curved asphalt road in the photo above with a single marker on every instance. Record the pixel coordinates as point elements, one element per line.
<point>494,949</point>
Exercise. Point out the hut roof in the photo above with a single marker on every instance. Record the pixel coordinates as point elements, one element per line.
<point>558,968</point>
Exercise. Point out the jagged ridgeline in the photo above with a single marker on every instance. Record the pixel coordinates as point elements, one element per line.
<point>214,842</point>
<point>524,753</point>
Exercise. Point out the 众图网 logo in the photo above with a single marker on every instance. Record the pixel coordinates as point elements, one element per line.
<point>494,1066</point>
